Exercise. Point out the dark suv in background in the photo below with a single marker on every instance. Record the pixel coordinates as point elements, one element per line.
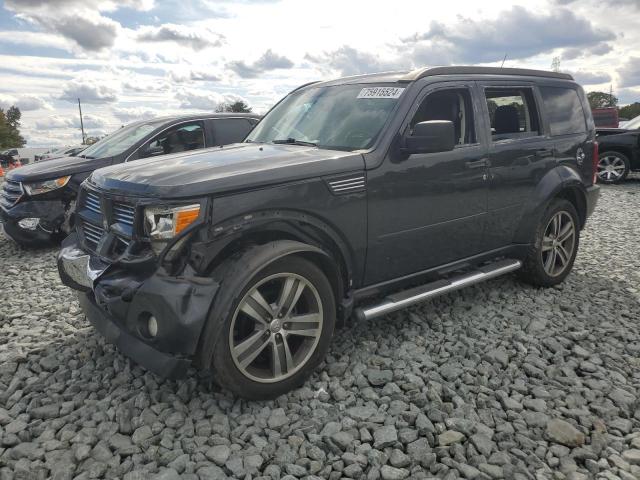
<point>360,195</point>
<point>37,201</point>
<point>619,151</point>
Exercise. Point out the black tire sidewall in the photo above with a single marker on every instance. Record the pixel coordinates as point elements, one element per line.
<point>627,166</point>
<point>533,269</point>
<point>224,369</point>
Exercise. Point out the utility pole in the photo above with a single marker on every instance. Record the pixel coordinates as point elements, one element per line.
<point>555,64</point>
<point>611,95</point>
<point>81,123</point>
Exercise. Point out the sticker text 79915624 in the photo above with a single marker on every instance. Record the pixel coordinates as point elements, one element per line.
<point>380,92</point>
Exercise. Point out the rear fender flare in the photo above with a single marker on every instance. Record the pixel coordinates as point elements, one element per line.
<point>561,181</point>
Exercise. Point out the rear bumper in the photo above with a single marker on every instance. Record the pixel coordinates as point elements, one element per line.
<point>120,302</point>
<point>593,193</point>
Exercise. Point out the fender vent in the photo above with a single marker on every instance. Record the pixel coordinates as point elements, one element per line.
<point>347,185</point>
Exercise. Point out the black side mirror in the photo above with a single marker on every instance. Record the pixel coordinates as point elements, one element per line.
<point>430,137</point>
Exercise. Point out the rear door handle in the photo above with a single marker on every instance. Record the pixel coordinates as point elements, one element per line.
<point>478,163</point>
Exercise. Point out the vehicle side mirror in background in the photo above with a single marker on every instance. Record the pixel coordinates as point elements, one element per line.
<point>152,150</point>
<point>430,137</point>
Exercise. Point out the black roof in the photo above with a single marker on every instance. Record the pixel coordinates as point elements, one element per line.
<point>406,76</point>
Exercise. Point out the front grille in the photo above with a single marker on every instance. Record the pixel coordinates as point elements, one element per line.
<point>92,234</point>
<point>11,193</point>
<point>107,225</point>
<point>92,202</point>
<point>123,213</point>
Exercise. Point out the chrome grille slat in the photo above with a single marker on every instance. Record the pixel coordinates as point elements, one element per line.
<point>123,213</point>
<point>92,202</point>
<point>92,234</point>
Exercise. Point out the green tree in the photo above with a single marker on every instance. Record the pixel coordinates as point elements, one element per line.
<point>235,107</point>
<point>10,129</point>
<point>601,100</point>
<point>630,111</point>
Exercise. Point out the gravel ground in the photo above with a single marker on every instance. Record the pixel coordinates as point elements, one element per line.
<point>498,381</point>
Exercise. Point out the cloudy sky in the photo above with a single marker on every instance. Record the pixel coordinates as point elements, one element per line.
<point>132,59</point>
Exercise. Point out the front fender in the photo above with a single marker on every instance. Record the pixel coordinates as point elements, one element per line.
<point>560,179</point>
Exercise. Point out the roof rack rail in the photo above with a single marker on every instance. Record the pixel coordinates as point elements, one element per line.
<point>469,70</point>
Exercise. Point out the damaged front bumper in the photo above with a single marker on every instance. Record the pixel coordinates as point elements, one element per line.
<point>120,302</point>
<point>44,217</point>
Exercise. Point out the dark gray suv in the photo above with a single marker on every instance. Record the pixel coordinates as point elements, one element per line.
<point>361,195</point>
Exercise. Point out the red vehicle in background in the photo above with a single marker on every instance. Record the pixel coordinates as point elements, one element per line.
<point>8,161</point>
<point>605,117</point>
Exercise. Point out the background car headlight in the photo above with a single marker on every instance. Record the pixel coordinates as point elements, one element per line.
<point>36,188</point>
<point>164,223</point>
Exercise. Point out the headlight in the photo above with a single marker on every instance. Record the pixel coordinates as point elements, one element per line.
<point>164,223</point>
<point>36,188</point>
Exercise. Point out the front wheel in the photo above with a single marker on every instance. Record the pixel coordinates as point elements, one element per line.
<point>613,167</point>
<point>551,257</point>
<point>277,330</point>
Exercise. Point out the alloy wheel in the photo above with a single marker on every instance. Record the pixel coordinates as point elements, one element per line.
<point>276,328</point>
<point>611,168</point>
<point>558,243</point>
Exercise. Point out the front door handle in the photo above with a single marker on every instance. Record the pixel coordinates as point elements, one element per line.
<point>478,163</point>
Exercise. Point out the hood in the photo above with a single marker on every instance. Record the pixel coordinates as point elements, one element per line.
<point>214,170</point>
<point>602,132</point>
<point>57,167</point>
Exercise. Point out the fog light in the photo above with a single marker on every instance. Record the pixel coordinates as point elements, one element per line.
<point>29,223</point>
<point>152,326</point>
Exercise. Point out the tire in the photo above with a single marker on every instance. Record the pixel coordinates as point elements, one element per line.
<point>613,167</point>
<point>550,259</point>
<point>244,355</point>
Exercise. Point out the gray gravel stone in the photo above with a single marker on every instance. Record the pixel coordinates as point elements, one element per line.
<point>463,386</point>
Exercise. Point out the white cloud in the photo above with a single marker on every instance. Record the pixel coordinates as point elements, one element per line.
<point>24,102</point>
<point>205,100</point>
<point>88,92</point>
<point>131,114</point>
<point>194,38</point>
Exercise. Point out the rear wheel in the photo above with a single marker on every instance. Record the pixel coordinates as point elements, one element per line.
<point>613,167</point>
<point>551,257</point>
<point>277,330</point>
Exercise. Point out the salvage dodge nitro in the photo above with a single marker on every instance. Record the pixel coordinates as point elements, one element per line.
<point>357,196</point>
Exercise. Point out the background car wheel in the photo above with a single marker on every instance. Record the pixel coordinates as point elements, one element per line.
<point>613,167</point>
<point>550,258</point>
<point>276,330</point>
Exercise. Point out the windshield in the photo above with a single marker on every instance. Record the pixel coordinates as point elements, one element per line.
<point>633,124</point>
<point>120,140</point>
<point>343,117</point>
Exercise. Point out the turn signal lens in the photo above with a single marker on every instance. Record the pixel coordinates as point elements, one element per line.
<point>184,218</point>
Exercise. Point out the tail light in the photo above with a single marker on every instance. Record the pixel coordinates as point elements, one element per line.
<point>596,161</point>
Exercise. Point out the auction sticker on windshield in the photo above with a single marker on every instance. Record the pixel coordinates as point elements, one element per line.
<point>380,92</point>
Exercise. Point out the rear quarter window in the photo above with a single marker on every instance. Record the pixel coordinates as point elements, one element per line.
<point>564,110</point>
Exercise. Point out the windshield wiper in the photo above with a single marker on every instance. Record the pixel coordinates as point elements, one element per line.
<point>293,141</point>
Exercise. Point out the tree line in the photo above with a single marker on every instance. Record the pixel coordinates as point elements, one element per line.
<point>605,100</point>
<point>10,129</point>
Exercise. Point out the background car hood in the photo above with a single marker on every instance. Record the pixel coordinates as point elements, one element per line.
<point>55,168</point>
<point>219,169</point>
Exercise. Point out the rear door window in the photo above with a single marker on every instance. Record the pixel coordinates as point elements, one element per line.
<point>564,110</point>
<point>512,112</point>
<point>230,130</point>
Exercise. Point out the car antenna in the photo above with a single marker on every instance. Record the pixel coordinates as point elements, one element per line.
<point>503,60</point>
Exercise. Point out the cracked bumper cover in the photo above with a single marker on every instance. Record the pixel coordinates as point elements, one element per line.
<point>120,301</point>
<point>50,212</point>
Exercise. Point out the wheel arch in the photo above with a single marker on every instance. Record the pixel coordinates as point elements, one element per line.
<point>313,239</point>
<point>561,182</point>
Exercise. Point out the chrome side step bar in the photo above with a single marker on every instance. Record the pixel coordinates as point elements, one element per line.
<point>403,299</point>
